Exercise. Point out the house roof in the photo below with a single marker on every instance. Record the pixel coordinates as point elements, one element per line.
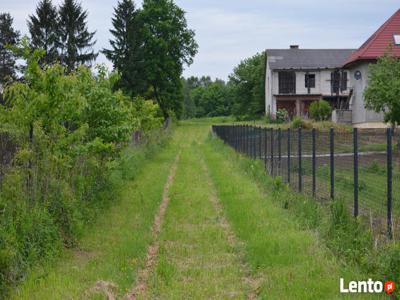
<point>281,59</point>
<point>379,42</point>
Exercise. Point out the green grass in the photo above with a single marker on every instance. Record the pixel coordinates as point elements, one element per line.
<point>295,261</point>
<point>196,259</point>
<point>113,248</point>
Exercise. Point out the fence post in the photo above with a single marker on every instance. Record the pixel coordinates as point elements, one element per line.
<point>260,145</point>
<point>242,135</point>
<point>314,163</point>
<point>332,161</point>
<point>389,183</point>
<point>288,154</point>
<point>247,140</point>
<point>234,137</point>
<point>355,142</point>
<point>300,160</point>
<point>272,152</point>
<point>279,152</point>
<point>251,141</point>
<point>255,142</point>
<point>266,143</point>
<point>265,148</point>
<point>253,149</point>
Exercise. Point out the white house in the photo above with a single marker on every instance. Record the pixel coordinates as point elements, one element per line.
<point>387,36</point>
<point>295,77</point>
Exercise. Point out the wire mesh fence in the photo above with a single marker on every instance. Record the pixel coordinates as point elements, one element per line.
<point>361,166</point>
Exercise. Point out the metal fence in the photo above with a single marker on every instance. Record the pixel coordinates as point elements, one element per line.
<point>361,166</point>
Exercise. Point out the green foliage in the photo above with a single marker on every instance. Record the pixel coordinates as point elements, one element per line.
<point>376,168</point>
<point>383,91</point>
<point>8,36</point>
<point>247,84</point>
<point>189,107</point>
<point>70,129</point>
<point>213,100</point>
<point>388,262</point>
<point>43,29</point>
<point>126,51</point>
<point>346,235</point>
<point>282,116</point>
<point>75,40</point>
<point>297,123</point>
<point>168,45</point>
<point>242,96</point>
<point>204,97</point>
<point>278,184</point>
<point>320,110</point>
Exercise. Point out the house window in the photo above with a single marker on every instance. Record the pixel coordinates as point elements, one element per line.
<point>343,81</point>
<point>310,81</point>
<point>287,82</point>
<point>338,81</point>
<point>396,38</point>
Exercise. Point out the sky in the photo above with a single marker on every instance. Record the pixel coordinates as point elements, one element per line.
<point>228,31</point>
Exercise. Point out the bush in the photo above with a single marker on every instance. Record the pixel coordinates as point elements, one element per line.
<point>297,123</point>
<point>282,116</point>
<point>345,235</point>
<point>71,130</point>
<point>320,110</point>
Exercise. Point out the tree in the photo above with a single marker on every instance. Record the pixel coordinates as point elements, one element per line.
<point>8,36</point>
<point>169,45</point>
<point>43,30</point>
<point>75,40</point>
<point>189,107</point>
<point>127,48</point>
<point>247,82</point>
<point>212,100</point>
<point>383,91</point>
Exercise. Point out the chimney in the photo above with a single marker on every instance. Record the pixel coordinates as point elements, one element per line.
<point>294,46</point>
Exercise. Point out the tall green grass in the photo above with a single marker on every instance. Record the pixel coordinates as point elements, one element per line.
<point>348,239</point>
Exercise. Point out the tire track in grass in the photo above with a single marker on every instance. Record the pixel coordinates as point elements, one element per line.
<point>152,251</point>
<point>253,283</point>
<point>197,258</point>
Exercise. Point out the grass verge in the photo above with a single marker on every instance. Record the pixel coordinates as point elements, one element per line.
<point>294,258</point>
<point>114,246</point>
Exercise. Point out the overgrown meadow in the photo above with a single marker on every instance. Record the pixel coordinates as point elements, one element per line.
<point>71,133</point>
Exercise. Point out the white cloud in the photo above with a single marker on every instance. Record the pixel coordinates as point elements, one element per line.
<point>230,30</point>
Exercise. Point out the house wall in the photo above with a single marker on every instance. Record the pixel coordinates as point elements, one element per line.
<point>269,98</point>
<point>359,113</point>
<point>322,82</point>
<point>322,86</point>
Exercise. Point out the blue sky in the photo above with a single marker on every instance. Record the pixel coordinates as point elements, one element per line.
<point>228,31</point>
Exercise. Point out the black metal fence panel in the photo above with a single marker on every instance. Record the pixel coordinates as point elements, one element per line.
<point>361,166</point>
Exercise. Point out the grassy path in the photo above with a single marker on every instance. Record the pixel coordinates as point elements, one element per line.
<point>219,237</point>
<point>197,257</point>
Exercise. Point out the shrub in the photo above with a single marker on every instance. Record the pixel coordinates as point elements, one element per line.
<point>345,235</point>
<point>320,110</point>
<point>70,130</point>
<point>297,123</point>
<point>282,116</point>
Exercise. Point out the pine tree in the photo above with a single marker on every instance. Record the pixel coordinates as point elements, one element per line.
<point>8,36</point>
<point>75,40</point>
<point>43,30</point>
<point>127,48</point>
